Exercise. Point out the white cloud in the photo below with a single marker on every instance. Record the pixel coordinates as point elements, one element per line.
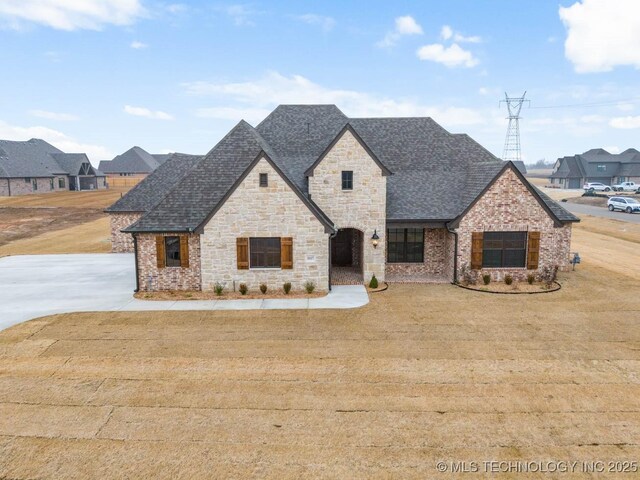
<point>62,117</point>
<point>240,14</point>
<point>255,99</point>
<point>56,138</point>
<point>447,33</point>
<point>452,56</point>
<point>70,14</point>
<point>176,8</point>
<point>625,123</point>
<point>602,34</point>
<point>145,112</point>
<point>405,25</point>
<point>324,22</point>
<point>136,45</point>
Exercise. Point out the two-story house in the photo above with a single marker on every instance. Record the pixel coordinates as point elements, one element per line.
<point>596,165</point>
<point>312,195</point>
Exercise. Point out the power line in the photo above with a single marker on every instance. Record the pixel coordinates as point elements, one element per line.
<point>512,141</point>
<point>592,104</point>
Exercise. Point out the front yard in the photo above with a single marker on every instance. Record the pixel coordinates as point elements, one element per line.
<point>422,374</point>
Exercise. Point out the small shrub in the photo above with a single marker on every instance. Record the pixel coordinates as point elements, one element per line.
<point>309,286</point>
<point>286,287</point>
<point>243,289</point>
<point>218,288</point>
<point>531,278</point>
<point>508,279</point>
<point>486,278</point>
<point>374,282</point>
<point>469,276</point>
<point>263,288</point>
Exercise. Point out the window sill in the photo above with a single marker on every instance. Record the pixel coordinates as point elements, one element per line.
<point>503,268</point>
<point>265,269</point>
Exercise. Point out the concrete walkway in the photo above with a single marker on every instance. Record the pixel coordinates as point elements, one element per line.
<point>33,286</point>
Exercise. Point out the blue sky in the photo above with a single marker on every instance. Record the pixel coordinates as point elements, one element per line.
<point>102,75</point>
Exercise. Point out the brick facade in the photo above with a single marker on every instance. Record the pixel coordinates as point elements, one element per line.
<point>18,186</point>
<point>272,211</point>
<point>364,207</point>
<point>437,250</point>
<point>509,206</point>
<point>122,242</point>
<point>152,278</point>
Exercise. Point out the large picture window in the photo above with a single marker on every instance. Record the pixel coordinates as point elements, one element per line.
<point>405,245</point>
<point>504,249</point>
<point>264,252</point>
<point>172,251</point>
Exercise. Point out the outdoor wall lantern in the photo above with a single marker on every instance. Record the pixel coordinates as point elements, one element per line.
<point>575,259</point>
<point>374,239</point>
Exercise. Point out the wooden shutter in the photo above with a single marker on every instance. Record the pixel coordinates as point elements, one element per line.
<point>286,253</point>
<point>476,250</point>
<point>160,252</point>
<point>533,252</point>
<point>184,251</point>
<point>242,251</point>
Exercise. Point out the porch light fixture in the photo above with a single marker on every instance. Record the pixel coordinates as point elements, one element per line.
<point>375,238</point>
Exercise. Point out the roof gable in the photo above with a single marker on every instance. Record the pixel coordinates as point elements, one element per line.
<point>350,129</point>
<point>31,158</point>
<point>134,160</point>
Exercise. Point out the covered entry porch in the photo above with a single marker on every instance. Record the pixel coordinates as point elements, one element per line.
<point>347,257</point>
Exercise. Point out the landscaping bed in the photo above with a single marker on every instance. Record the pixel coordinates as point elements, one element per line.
<point>211,295</point>
<point>514,288</point>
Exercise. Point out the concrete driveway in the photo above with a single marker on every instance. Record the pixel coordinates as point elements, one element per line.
<point>579,209</point>
<point>33,286</point>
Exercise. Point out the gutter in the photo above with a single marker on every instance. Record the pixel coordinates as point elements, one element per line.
<point>135,252</point>
<point>455,253</point>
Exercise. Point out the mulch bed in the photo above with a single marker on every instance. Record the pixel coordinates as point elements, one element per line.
<point>516,288</point>
<point>382,286</point>
<point>209,295</point>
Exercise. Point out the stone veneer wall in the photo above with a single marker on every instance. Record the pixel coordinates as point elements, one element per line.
<point>122,242</point>
<point>509,206</point>
<point>152,278</point>
<point>364,207</point>
<point>435,264</point>
<point>273,211</point>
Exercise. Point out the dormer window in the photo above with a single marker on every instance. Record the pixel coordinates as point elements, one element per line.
<point>602,167</point>
<point>264,180</point>
<point>347,180</point>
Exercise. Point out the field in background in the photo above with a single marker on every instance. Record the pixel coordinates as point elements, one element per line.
<point>89,199</point>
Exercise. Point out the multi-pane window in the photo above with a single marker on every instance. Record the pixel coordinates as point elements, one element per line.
<point>264,252</point>
<point>405,245</point>
<point>264,180</point>
<point>504,249</point>
<point>172,251</point>
<point>347,180</point>
<point>51,183</point>
<point>34,184</point>
<point>61,182</point>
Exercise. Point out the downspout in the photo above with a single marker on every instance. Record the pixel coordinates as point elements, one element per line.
<point>135,252</point>
<point>455,253</point>
<point>331,237</point>
<point>9,185</point>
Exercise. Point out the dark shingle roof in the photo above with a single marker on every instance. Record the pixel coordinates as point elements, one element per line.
<point>161,157</point>
<point>153,188</point>
<point>436,175</point>
<point>520,166</point>
<point>586,164</point>
<point>562,214</point>
<point>72,162</point>
<point>32,158</point>
<point>134,160</point>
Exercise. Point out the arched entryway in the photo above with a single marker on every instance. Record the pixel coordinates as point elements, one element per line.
<point>347,257</point>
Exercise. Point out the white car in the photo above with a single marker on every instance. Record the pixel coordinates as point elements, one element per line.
<point>592,186</point>
<point>624,204</point>
<point>625,187</point>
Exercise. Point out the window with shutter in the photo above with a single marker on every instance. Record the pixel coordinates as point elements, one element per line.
<point>160,255</point>
<point>476,250</point>
<point>184,251</point>
<point>533,251</point>
<point>286,251</point>
<point>242,253</point>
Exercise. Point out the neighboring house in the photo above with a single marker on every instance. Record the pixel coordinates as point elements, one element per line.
<point>135,162</point>
<point>312,195</point>
<point>596,165</point>
<point>144,196</point>
<point>35,166</point>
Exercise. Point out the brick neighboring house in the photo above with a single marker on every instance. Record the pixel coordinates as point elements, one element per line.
<point>135,162</point>
<point>35,166</point>
<point>596,165</point>
<point>312,195</point>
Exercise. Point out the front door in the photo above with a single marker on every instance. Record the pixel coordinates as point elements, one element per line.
<point>341,249</point>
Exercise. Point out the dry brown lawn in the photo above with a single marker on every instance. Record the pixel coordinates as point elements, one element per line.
<point>424,373</point>
<point>98,199</point>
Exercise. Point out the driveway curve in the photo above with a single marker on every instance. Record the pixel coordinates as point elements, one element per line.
<point>33,286</point>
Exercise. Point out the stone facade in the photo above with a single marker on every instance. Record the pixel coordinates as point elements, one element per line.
<point>435,266</point>
<point>509,206</point>
<point>122,242</point>
<point>152,278</point>
<point>272,211</point>
<point>364,207</point>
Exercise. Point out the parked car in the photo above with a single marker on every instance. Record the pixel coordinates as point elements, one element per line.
<point>625,204</point>
<point>625,187</point>
<point>593,186</point>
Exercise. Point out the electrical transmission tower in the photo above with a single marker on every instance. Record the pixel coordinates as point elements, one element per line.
<point>512,142</point>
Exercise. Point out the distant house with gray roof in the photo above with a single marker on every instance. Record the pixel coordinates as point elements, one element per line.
<point>311,195</point>
<point>35,166</point>
<point>135,162</point>
<point>596,165</point>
